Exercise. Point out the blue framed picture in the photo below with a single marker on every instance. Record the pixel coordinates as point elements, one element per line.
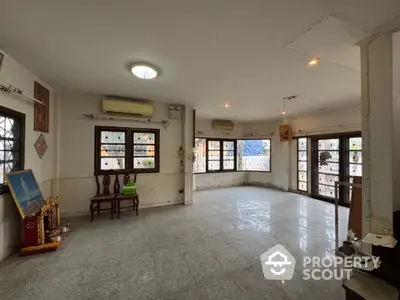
<point>25,191</point>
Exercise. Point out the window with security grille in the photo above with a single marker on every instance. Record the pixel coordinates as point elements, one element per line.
<point>302,164</point>
<point>12,137</point>
<point>221,155</point>
<point>127,149</point>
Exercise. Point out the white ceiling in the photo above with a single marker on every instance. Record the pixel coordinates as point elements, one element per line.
<point>249,53</point>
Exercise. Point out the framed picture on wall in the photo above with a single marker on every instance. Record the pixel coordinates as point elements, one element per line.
<point>41,118</point>
<point>25,192</point>
<point>285,133</point>
<point>1,60</point>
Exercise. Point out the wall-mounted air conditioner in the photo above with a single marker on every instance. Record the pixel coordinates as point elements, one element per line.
<point>223,124</point>
<point>128,107</point>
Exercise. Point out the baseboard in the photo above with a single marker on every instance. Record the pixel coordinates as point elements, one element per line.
<point>204,188</point>
<point>268,185</point>
<point>142,206</point>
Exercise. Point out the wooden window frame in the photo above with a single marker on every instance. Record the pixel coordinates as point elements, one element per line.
<point>129,149</point>
<point>235,169</point>
<point>19,117</point>
<point>298,161</point>
<point>221,155</point>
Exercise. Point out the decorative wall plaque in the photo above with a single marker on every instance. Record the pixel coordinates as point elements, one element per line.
<point>41,118</point>
<point>285,133</point>
<point>40,146</point>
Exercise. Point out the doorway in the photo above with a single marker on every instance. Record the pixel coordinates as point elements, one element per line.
<point>334,158</point>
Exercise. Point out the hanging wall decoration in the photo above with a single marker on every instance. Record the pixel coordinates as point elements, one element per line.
<point>1,59</point>
<point>40,146</point>
<point>285,132</point>
<point>41,119</point>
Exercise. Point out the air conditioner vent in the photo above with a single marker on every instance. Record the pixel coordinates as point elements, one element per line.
<point>127,107</point>
<point>223,124</point>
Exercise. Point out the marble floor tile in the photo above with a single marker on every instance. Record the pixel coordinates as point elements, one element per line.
<point>209,250</point>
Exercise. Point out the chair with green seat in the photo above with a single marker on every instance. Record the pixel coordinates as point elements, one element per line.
<point>127,193</point>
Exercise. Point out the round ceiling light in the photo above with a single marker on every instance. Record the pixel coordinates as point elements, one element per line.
<point>144,71</point>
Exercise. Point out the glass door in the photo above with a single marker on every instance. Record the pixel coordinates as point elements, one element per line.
<point>327,165</point>
<point>353,162</point>
<point>335,158</point>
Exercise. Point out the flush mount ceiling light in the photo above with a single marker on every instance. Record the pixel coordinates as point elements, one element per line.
<point>227,105</point>
<point>144,71</point>
<point>313,62</point>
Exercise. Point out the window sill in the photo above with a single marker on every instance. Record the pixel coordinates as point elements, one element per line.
<point>122,172</point>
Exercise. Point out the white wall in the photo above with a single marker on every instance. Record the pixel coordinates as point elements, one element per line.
<point>45,168</point>
<point>209,181</point>
<point>76,179</point>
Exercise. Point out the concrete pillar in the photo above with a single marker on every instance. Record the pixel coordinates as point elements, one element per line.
<point>281,168</point>
<point>188,154</point>
<point>380,132</point>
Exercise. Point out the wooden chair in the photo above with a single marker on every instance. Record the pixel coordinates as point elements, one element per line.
<point>104,195</point>
<point>123,198</point>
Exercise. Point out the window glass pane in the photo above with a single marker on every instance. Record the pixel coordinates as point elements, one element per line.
<point>229,145</point>
<point>112,137</point>
<point>229,155</point>
<point>355,157</point>
<point>303,186</point>
<point>328,156</point>
<point>213,145</point>
<point>302,166</point>
<point>329,144</point>
<point>229,165</point>
<point>214,154</point>
<point>112,163</point>
<point>355,143</point>
<point>144,138</point>
<point>213,165</point>
<point>2,173</point>
<point>10,131</point>
<point>2,125</point>
<point>143,150</point>
<point>331,168</point>
<point>327,191</point>
<point>302,176</point>
<point>327,179</point>
<point>302,144</point>
<point>112,150</point>
<point>144,163</point>
<point>9,145</point>
<point>199,165</point>
<point>355,170</point>
<point>303,155</point>
<point>254,155</point>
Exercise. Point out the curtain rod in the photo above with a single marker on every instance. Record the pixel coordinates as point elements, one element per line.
<point>165,123</point>
<point>8,88</point>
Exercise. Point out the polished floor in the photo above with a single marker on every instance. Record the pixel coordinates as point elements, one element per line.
<point>209,250</point>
